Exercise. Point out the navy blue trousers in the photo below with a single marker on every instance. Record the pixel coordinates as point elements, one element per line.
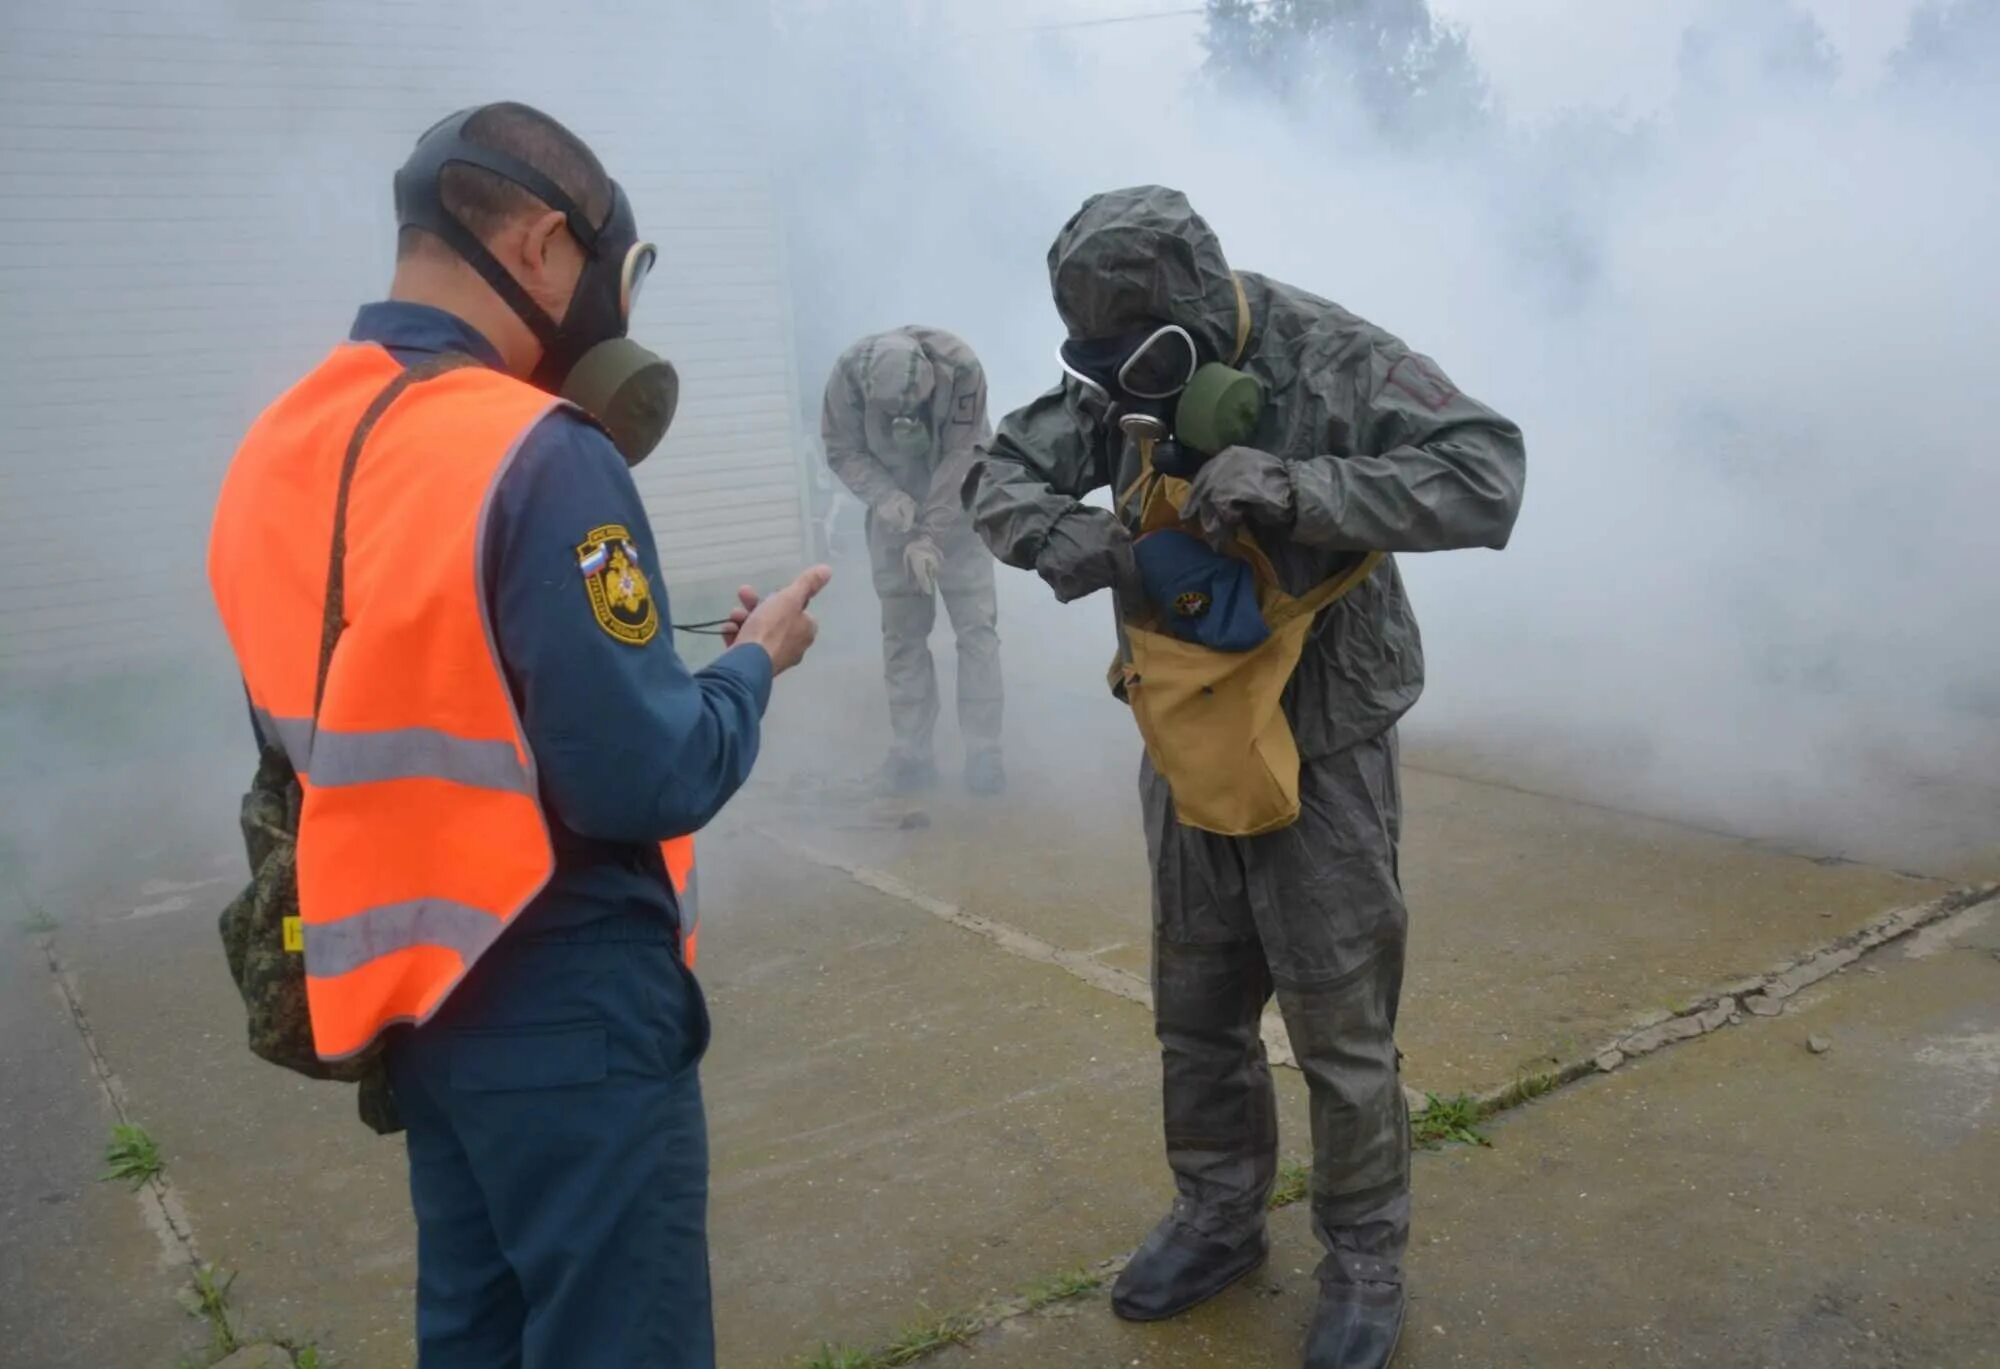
<point>559,1156</point>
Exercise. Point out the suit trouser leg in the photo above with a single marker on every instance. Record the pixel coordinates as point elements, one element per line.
<point>1321,905</point>
<point>561,1084</point>
<point>908,615</point>
<point>970,598</point>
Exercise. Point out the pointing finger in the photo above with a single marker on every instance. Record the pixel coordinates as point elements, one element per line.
<point>812,581</point>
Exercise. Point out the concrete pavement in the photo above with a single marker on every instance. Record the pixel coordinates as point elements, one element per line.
<point>932,1085</point>
<point>1740,1201</point>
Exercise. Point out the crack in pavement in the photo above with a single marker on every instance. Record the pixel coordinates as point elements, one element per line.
<point>160,1204</point>
<point>1763,995</point>
<point>1081,965</point>
<point>1759,995</point>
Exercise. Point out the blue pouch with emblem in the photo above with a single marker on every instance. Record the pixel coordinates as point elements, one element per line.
<point>1202,596</point>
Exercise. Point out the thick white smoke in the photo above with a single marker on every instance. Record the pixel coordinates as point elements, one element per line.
<point>1729,269</point>
<point>1749,334</point>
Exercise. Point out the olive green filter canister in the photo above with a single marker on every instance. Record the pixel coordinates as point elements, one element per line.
<point>631,391</point>
<point>1219,408</point>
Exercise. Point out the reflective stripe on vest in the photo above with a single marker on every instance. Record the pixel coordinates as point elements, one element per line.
<point>335,758</point>
<point>422,834</point>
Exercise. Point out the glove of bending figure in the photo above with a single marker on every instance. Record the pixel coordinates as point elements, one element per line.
<point>1240,485</point>
<point>922,560</point>
<point>898,512</point>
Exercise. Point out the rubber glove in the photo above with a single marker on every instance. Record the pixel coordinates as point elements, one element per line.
<point>1240,485</point>
<point>898,512</point>
<point>1088,549</point>
<point>922,560</point>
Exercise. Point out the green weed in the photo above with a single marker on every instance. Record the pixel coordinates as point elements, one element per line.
<point>1294,1182</point>
<point>1061,1288</point>
<point>922,1338</point>
<point>1526,1089</point>
<point>131,1155</point>
<point>211,1300</point>
<point>839,1357</point>
<point>1447,1120</point>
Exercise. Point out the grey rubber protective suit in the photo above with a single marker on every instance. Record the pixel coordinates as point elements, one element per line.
<point>908,370</point>
<point>1377,451</point>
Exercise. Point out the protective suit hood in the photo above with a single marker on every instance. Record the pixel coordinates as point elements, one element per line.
<point>895,380</point>
<point>1143,256</point>
<point>896,376</point>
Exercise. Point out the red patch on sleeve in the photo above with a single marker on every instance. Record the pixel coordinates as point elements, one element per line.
<point>1417,376</point>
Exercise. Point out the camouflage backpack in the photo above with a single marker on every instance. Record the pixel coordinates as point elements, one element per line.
<point>262,934</point>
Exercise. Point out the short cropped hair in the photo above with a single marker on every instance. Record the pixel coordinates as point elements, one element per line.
<point>485,203</point>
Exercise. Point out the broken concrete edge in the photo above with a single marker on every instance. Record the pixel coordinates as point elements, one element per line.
<point>936,1334</point>
<point>159,1201</point>
<point>1761,995</point>
<point>1757,994</point>
<point>1653,1031</point>
<point>160,1204</point>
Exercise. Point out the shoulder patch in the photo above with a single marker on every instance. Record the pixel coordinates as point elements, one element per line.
<point>1417,376</point>
<point>621,599</point>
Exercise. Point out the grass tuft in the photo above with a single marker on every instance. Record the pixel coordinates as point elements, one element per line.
<point>37,921</point>
<point>131,1155</point>
<point>211,1296</point>
<point>927,1337</point>
<point>1294,1182</point>
<point>1060,1288</point>
<point>1526,1089</point>
<point>839,1357</point>
<point>1453,1120</point>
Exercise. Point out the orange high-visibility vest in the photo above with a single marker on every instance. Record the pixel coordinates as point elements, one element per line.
<point>422,833</point>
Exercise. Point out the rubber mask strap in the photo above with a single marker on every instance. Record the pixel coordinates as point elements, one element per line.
<point>1242,319</point>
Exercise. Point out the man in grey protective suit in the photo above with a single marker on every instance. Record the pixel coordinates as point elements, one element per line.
<point>904,413</point>
<point>1362,445</point>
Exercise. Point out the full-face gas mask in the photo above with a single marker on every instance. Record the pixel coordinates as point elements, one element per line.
<point>1154,382</point>
<point>910,435</point>
<point>586,356</point>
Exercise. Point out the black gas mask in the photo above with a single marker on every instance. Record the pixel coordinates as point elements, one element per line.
<point>1153,380</point>
<point>586,356</point>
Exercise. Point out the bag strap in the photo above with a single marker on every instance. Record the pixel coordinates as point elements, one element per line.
<point>333,621</point>
<point>1326,591</point>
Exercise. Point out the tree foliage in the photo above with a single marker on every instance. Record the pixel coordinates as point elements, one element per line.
<point>1391,63</point>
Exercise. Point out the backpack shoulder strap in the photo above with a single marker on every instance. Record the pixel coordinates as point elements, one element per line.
<point>334,619</point>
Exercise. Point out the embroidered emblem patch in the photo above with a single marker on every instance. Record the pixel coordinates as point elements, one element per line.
<point>620,597</point>
<point>1191,604</point>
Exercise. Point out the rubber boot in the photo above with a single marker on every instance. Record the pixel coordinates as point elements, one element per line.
<point>1356,1325</point>
<point>1177,1267</point>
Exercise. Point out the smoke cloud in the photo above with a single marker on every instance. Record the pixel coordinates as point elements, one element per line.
<point>1729,267</point>
<point>1755,576</point>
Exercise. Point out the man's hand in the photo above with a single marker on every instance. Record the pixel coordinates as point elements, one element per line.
<point>922,560</point>
<point>898,512</point>
<point>746,598</point>
<point>1240,485</point>
<point>779,623</point>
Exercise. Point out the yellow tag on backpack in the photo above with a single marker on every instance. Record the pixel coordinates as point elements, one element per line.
<point>1214,721</point>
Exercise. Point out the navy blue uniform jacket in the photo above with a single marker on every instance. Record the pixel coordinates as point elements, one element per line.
<point>632,746</point>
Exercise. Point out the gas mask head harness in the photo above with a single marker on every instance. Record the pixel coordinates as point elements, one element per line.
<point>1154,383</point>
<point>586,356</point>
